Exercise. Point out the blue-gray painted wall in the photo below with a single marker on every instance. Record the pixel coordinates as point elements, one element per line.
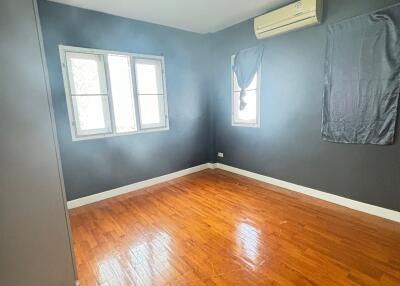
<point>93,166</point>
<point>288,145</point>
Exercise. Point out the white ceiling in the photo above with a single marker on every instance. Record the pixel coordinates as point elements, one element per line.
<point>201,16</point>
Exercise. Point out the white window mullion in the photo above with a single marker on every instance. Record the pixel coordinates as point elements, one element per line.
<point>71,112</point>
<point>109,94</point>
<point>135,93</point>
<point>164,101</point>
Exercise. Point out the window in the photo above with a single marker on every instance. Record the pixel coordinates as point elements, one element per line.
<point>150,92</point>
<point>111,93</point>
<point>249,116</point>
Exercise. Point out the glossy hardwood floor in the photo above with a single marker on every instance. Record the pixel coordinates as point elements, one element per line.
<point>217,228</point>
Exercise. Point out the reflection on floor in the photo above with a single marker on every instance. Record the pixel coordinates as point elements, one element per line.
<point>217,228</point>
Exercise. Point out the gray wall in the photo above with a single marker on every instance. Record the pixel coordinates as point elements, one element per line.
<point>34,240</point>
<point>94,166</point>
<point>288,145</point>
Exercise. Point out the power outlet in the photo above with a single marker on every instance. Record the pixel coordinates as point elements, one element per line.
<point>220,154</point>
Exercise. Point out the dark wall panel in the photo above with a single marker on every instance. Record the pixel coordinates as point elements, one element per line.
<point>35,247</point>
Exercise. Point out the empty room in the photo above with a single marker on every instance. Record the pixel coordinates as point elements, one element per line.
<point>199,142</point>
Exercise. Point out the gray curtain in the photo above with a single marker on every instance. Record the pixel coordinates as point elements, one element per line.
<point>362,79</point>
<point>245,66</point>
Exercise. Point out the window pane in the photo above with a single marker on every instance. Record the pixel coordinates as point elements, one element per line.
<point>148,76</point>
<point>249,113</point>
<point>149,109</point>
<point>122,93</point>
<point>86,74</point>
<point>149,82</point>
<point>90,114</point>
<point>253,84</point>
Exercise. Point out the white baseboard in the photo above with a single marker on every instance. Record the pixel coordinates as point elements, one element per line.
<point>359,206</point>
<point>356,205</point>
<point>135,186</point>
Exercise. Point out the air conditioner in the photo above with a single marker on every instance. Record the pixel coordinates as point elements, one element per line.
<point>294,16</point>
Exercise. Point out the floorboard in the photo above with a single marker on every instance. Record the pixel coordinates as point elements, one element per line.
<point>218,228</point>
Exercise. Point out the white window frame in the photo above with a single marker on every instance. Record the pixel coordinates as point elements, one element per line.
<point>235,121</point>
<point>113,133</point>
<point>137,94</point>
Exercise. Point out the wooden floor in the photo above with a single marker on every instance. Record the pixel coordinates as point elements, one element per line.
<point>217,228</point>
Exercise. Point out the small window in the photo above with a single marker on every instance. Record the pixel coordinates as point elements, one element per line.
<point>111,93</point>
<point>249,116</point>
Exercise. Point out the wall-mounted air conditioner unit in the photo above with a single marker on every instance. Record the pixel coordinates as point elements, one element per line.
<point>297,15</point>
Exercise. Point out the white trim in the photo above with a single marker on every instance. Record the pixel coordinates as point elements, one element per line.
<point>105,52</point>
<point>134,187</point>
<point>212,166</point>
<point>352,204</point>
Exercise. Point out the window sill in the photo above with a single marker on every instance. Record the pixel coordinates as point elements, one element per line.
<point>109,135</point>
<point>248,125</point>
